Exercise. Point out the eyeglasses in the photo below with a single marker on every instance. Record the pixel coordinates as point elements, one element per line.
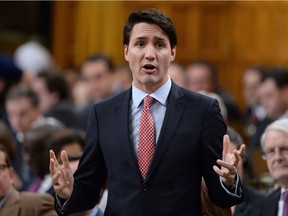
<point>3,167</point>
<point>270,153</point>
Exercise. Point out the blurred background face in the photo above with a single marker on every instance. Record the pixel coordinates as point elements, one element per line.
<point>251,83</point>
<point>35,154</point>
<point>47,99</point>
<point>277,162</point>
<point>271,99</point>
<point>199,78</point>
<point>98,78</point>
<point>21,113</point>
<point>177,75</point>
<point>6,177</point>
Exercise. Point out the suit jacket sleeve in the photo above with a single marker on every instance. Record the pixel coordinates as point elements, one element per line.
<point>91,174</point>
<point>213,130</point>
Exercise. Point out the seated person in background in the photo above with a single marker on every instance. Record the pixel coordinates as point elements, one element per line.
<point>72,141</point>
<point>23,110</point>
<point>36,147</point>
<point>14,203</point>
<point>274,142</point>
<point>52,90</point>
<point>203,75</point>
<point>178,74</point>
<point>6,139</point>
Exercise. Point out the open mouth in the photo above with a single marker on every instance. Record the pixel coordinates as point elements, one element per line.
<point>149,67</point>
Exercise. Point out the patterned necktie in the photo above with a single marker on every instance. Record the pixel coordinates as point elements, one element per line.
<point>146,143</point>
<point>285,206</point>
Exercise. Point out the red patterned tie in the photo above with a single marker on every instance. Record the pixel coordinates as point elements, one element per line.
<point>146,144</point>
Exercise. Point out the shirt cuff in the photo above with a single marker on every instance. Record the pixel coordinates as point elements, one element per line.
<point>234,190</point>
<point>61,203</point>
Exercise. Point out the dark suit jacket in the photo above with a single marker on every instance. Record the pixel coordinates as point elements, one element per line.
<point>189,144</point>
<point>252,204</point>
<point>270,206</point>
<point>28,204</point>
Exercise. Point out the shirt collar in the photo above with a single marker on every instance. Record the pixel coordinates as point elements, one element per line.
<point>3,201</point>
<point>160,94</point>
<point>283,190</point>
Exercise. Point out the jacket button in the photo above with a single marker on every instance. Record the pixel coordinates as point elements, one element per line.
<point>145,188</point>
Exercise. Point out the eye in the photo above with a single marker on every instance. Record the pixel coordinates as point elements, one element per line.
<point>140,44</point>
<point>270,152</point>
<point>160,45</point>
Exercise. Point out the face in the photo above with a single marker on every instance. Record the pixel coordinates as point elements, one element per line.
<point>35,154</point>
<point>199,79</point>
<point>47,99</point>
<point>98,78</point>
<point>276,151</point>
<point>177,75</point>
<point>6,177</point>
<point>21,114</point>
<point>251,83</point>
<point>149,55</point>
<point>271,99</point>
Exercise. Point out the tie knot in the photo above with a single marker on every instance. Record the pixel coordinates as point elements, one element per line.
<point>148,100</point>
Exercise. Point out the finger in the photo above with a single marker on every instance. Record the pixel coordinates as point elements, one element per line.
<point>53,162</point>
<point>65,161</point>
<point>242,149</point>
<point>226,165</point>
<point>55,178</point>
<point>226,144</point>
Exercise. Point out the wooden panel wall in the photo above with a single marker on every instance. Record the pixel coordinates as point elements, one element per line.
<point>233,35</point>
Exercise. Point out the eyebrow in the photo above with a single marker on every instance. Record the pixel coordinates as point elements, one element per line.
<point>154,38</point>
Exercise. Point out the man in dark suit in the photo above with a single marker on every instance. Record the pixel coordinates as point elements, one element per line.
<point>275,147</point>
<point>162,178</point>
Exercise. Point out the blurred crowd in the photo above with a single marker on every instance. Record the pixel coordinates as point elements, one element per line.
<point>45,107</point>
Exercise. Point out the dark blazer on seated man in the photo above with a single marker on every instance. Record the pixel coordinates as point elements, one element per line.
<point>270,205</point>
<point>189,144</point>
<point>252,204</point>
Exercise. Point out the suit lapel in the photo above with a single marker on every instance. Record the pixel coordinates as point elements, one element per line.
<point>121,113</point>
<point>13,200</point>
<point>172,118</point>
<point>273,203</point>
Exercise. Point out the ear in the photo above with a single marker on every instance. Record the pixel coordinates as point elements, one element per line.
<point>285,93</point>
<point>12,175</point>
<point>173,54</point>
<point>126,52</point>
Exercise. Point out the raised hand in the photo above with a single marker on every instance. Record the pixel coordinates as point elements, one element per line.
<point>62,175</point>
<point>229,162</point>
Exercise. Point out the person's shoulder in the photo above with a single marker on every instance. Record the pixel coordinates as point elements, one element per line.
<point>33,198</point>
<point>120,97</point>
<point>253,195</point>
<point>273,195</point>
<point>191,97</point>
<point>37,204</point>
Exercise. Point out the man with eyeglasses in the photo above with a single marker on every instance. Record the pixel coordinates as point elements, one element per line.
<point>274,142</point>
<point>14,203</point>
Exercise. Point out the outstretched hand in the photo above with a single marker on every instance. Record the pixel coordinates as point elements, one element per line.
<point>62,177</point>
<point>229,162</point>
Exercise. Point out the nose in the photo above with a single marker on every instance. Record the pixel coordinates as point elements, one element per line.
<point>150,52</point>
